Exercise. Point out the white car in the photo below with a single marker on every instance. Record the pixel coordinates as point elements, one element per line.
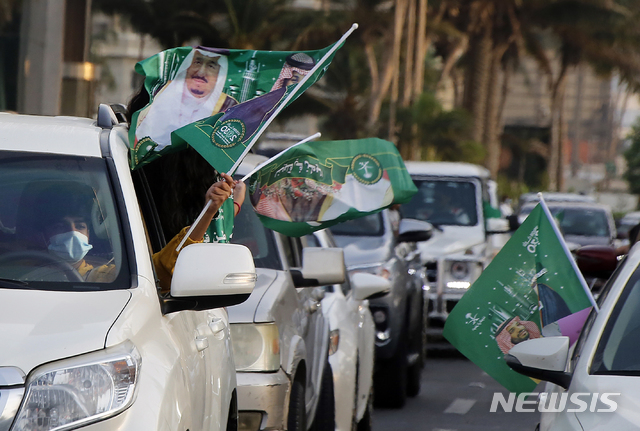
<point>111,353</point>
<point>352,347</point>
<point>599,376</point>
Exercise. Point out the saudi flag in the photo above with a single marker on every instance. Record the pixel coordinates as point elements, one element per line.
<point>318,184</point>
<point>221,99</point>
<point>224,139</point>
<point>526,292</point>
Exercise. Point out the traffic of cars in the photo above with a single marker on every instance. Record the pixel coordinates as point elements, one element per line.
<point>285,333</point>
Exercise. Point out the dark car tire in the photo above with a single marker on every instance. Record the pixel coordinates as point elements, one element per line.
<point>297,419</point>
<point>414,371</point>
<point>390,382</point>
<point>366,423</point>
<point>325,419</point>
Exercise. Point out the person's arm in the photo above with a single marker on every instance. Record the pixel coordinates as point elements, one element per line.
<point>239,192</point>
<point>217,194</point>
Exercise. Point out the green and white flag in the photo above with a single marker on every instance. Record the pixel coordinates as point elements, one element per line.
<point>318,184</point>
<point>529,288</point>
<point>221,99</point>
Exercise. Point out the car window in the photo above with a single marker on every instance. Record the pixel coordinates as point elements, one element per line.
<point>59,224</point>
<point>442,202</point>
<point>582,221</point>
<point>618,350</point>
<point>250,232</point>
<point>371,225</point>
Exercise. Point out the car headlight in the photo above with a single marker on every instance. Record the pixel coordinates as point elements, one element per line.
<point>461,273</point>
<point>82,390</point>
<point>256,347</point>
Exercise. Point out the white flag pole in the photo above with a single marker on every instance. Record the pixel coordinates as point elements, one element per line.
<point>263,164</point>
<point>551,219</point>
<point>293,93</point>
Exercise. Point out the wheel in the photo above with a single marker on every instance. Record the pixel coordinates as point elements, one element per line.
<point>366,423</point>
<point>414,371</point>
<point>390,382</point>
<point>297,420</point>
<point>43,261</point>
<point>325,419</point>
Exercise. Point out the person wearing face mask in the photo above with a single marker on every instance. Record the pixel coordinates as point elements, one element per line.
<point>68,236</point>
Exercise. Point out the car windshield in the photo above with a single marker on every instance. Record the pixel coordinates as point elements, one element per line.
<point>59,228</point>
<point>582,221</point>
<point>371,225</point>
<point>443,202</point>
<point>250,232</point>
<point>618,351</point>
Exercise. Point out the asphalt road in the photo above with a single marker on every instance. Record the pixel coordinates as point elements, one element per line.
<point>456,396</point>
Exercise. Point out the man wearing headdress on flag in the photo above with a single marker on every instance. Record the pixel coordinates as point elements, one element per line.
<point>296,66</point>
<point>514,331</point>
<point>195,93</point>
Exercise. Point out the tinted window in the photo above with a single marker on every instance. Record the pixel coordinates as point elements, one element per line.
<point>250,232</point>
<point>582,221</point>
<point>59,225</point>
<point>443,203</point>
<point>618,351</point>
<point>370,225</point>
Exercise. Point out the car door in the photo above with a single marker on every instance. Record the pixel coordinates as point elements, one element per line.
<point>312,325</point>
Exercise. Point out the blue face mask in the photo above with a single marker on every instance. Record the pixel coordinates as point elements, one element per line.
<point>70,246</point>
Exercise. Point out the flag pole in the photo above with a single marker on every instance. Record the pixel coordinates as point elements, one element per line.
<point>261,165</point>
<point>551,219</point>
<point>290,95</point>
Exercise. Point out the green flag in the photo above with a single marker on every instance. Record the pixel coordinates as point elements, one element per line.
<point>528,287</point>
<point>224,139</point>
<point>318,184</point>
<point>187,85</point>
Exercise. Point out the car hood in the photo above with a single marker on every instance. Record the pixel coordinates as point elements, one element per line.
<point>450,240</point>
<point>42,326</point>
<point>365,249</point>
<point>245,312</point>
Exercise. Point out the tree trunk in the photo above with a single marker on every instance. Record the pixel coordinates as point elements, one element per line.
<point>557,100</point>
<point>476,85</point>
<point>391,67</point>
<point>401,8</point>
<point>421,49</point>
<point>408,82</point>
<point>490,136</point>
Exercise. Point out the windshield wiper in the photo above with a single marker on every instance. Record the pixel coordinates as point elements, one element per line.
<point>9,283</point>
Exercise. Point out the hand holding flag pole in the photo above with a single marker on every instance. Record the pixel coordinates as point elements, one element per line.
<point>208,204</point>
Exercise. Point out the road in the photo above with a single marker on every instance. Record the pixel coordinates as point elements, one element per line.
<point>456,396</point>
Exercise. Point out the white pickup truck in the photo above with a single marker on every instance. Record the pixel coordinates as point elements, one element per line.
<point>459,200</point>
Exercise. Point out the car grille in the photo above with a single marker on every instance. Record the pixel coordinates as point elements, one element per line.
<point>432,271</point>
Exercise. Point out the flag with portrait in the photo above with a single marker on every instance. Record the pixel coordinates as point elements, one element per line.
<point>530,289</point>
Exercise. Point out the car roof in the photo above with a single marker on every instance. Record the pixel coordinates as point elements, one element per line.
<point>556,197</point>
<point>447,169</point>
<point>58,135</point>
<point>585,205</point>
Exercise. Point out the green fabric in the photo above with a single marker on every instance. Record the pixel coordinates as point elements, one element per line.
<point>221,228</point>
<point>489,211</point>
<point>315,185</point>
<point>248,82</point>
<point>505,290</point>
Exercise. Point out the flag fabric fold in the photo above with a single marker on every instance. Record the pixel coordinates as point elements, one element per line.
<point>318,184</point>
<point>529,290</point>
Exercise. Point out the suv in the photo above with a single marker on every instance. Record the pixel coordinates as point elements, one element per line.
<point>110,353</point>
<point>279,335</point>
<point>456,199</point>
<point>384,245</point>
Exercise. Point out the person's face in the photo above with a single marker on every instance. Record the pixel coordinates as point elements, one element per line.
<point>68,224</point>
<point>202,75</point>
<point>518,332</point>
<point>297,77</point>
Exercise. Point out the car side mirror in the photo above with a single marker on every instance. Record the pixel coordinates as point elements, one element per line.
<point>514,223</point>
<point>543,359</point>
<point>369,286</point>
<point>210,276</point>
<point>320,267</point>
<point>411,230</point>
<point>596,261</point>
